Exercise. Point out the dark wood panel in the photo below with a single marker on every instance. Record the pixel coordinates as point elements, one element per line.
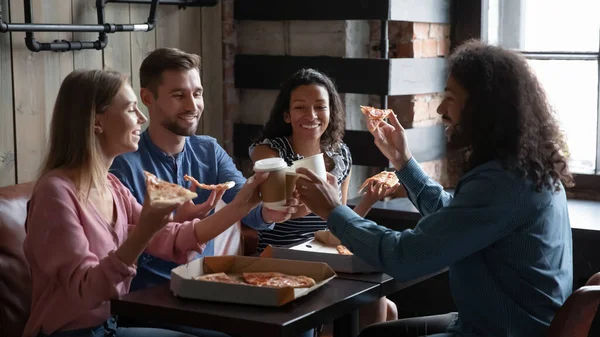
<point>363,149</point>
<point>362,76</point>
<point>311,9</point>
<point>465,22</point>
<point>399,10</point>
<point>405,76</point>
<point>426,144</point>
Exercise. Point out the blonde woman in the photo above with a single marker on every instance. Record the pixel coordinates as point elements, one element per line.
<point>85,231</point>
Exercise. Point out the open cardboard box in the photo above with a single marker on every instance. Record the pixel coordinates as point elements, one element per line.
<point>322,249</point>
<point>183,283</point>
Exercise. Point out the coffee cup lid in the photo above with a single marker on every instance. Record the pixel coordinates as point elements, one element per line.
<point>269,164</point>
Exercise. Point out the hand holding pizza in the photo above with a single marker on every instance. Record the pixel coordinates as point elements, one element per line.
<point>189,211</point>
<point>390,138</point>
<point>376,191</point>
<point>155,216</point>
<point>320,196</point>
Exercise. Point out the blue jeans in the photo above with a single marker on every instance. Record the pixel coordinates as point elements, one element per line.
<point>110,329</point>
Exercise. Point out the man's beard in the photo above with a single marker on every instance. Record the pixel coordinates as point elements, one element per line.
<point>178,130</point>
<point>457,140</point>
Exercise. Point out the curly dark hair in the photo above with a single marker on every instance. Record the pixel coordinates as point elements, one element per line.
<point>276,125</point>
<point>507,116</point>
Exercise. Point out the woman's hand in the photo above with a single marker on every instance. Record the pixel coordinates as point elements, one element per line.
<point>247,198</point>
<point>391,141</point>
<point>154,218</point>
<point>375,191</point>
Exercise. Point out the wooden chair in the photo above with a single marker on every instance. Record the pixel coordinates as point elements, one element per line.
<point>575,317</point>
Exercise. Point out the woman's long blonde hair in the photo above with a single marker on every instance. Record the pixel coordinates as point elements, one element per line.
<point>73,143</point>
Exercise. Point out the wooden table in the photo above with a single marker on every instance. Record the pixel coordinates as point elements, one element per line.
<point>387,284</point>
<point>336,301</point>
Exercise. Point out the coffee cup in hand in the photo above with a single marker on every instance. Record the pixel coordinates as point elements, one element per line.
<point>273,190</point>
<point>314,163</point>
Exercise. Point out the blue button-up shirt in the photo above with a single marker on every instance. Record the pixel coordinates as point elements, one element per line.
<point>202,158</point>
<point>508,248</point>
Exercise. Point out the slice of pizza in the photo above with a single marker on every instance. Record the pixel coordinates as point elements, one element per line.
<point>343,250</point>
<point>375,116</point>
<point>163,194</point>
<point>218,277</point>
<point>278,280</point>
<point>223,186</point>
<point>388,178</point>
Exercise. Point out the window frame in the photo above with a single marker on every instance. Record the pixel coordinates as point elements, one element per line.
<point>583,182</point>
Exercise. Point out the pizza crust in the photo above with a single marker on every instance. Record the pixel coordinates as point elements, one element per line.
<point>223,186</point>
<point>343,250</point>
<point>218,277</point>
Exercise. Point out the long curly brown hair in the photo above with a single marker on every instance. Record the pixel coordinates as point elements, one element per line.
<point>507,116</point>
<point>276,125</point>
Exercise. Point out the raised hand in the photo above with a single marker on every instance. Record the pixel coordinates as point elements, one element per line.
<point>391,141</point>
<point>374,192</point>
<point>153,218</point>
<point>189,211</point>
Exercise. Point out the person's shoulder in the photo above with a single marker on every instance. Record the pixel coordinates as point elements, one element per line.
<point>494,180</point>
<point>128,159</point>
<point>54,184</point>
<point>343,148</point>
<point>127,165</point>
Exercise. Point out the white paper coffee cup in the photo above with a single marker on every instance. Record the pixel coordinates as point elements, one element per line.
<point>314,163</point>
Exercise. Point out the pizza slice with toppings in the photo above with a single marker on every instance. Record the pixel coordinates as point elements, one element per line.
<point>223,186</point>
<point>375,116</point>
<point>218,277</point>
<point>163,194</point>
<point>278,280</point>
<point>389,179</point>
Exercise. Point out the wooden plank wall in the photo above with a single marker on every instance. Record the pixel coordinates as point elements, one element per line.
<point>30,81</point>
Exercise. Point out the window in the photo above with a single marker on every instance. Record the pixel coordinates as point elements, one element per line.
<point>561,40</point>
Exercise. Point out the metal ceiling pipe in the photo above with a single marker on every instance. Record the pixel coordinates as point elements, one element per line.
<point>102,28</point>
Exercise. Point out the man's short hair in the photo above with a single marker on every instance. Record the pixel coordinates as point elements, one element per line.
<point>161,60</point>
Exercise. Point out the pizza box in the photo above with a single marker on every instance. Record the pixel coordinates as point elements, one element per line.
<point>183,283</point>
<point>322,249</point>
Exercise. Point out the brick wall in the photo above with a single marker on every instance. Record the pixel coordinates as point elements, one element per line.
<point>331,38</point>
<point>417,40</point>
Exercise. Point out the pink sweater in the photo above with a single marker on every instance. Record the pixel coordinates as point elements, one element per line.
<point>71,252</point>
